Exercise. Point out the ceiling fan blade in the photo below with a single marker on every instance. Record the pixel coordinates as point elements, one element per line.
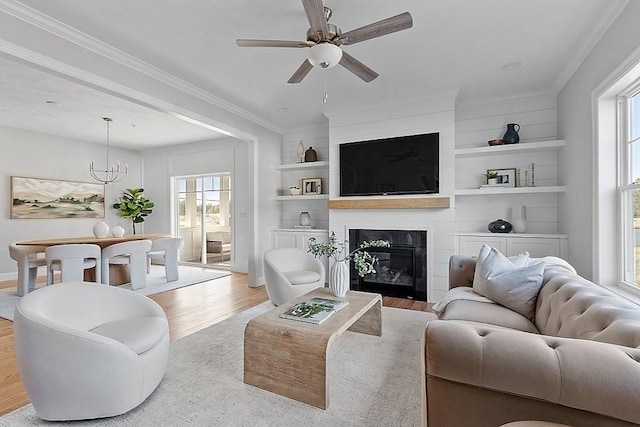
<point>270,43</point>
<point>301,72</point>
<point>315,14</point>
<point>377,29</point>
<point>357,67</point>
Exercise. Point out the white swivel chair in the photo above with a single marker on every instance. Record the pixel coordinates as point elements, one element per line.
<point>166,250</point>
<point>89,351</point>
<point>28,262</point>
<point>291,272</point>
<point>71,260</point>
<point>133,254</point>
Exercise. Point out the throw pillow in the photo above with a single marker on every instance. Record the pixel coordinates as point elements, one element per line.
<point>491,261</point>
<point>517,289</point>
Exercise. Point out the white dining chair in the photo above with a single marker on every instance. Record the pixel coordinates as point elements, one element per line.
<point>166,251</point>
<point>28,262</point>
<point>132,254</point>
<point>71,261</point>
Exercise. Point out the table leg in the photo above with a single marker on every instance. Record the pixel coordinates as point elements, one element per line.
<point>370,323</point>
<point>287,362</point>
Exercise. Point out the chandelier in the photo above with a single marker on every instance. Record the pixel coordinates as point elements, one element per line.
<point>111,173</point>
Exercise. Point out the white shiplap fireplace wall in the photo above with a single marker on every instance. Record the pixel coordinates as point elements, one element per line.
<point>435,114</point>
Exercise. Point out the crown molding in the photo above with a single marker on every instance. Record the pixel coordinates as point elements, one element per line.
<point>68,33</point>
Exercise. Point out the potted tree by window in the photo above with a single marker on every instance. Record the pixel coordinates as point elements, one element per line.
<point>134,205</point>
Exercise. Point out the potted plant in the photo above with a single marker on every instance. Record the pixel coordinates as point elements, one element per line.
<point>492,177</point>
<point>134,205</point>
<point>363,261</point>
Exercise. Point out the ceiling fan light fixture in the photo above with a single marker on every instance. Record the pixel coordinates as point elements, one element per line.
<point>324,55</point>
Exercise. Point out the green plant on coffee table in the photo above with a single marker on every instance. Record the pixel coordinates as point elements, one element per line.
<point>363,261</point>
<point>134,205</point>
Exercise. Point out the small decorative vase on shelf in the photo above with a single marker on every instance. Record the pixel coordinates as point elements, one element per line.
<point>304,219</point>
<point>300,152</point>
<point>101,230</point>
<point>310,155</point>
<point>117,231</point>
<point>519,220</point>
<point>511,135</point>
<point>339,278</point>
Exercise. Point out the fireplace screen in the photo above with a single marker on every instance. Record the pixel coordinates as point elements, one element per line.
<point>396,266</point>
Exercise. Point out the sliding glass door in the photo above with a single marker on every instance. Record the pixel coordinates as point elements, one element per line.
<point>204,219</point>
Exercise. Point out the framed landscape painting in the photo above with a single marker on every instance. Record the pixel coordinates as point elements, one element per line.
<point>41,198</point>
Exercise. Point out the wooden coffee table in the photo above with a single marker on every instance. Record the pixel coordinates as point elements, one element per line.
<point>289,357</point>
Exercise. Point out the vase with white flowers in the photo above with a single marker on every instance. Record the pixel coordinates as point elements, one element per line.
<point>363,261</point>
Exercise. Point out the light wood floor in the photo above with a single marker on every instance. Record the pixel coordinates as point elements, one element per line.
<point>189,310</point>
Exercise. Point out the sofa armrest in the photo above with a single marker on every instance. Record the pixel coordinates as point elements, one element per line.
<point>586,375</point>
<point>461,271</point>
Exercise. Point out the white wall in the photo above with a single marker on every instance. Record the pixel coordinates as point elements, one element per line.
<point>578,166</point>
<point>318,138</point>
<point>404,118</point>
<point>478,123</point>
<point>32,154</point>
<point>225,155</point>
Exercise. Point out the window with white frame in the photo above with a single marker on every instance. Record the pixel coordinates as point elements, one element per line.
<point>629,184</point>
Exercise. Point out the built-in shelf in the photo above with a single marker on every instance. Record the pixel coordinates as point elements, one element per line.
<point>511,148</point>
<point>304,165</point>
<point>512,190</point>
<point>436,202</point>
<point>522,235</point>
<point>304,197</point>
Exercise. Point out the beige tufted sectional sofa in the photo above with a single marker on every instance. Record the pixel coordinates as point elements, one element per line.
<point>576,363</point>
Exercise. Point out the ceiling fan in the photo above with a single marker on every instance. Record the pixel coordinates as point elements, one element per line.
<point>324,40</point>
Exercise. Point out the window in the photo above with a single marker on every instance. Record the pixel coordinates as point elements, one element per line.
<point>629,184</point>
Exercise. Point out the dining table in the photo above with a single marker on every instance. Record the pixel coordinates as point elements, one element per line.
<point>118,274</point>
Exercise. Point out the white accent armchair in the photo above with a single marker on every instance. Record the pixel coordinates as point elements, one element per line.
<point>87,350</point>
<point>291,272</point>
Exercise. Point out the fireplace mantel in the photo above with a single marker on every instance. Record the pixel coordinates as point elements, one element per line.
<point>432,202</point>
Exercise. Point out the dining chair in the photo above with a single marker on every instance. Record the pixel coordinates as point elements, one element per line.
<point>133,254</point>
<point>28,262</point>
<point>72,260</point>
<point>166,250</point>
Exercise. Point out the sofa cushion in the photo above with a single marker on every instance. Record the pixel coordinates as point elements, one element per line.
<point>138,333</point>
<point>516,289</point>
<point>490,262</point>
<point>491,314</point>
<point>301,277</point>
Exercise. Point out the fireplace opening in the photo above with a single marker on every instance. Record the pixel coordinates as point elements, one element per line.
<point>401,268</point>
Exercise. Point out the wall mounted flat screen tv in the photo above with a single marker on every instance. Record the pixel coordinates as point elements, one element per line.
<point>400,165</point>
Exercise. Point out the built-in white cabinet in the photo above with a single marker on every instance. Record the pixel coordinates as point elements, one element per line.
<point>538,245</point>
<point>299,238</point>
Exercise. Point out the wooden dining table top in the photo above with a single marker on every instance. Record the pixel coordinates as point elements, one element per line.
<point>102,242</point>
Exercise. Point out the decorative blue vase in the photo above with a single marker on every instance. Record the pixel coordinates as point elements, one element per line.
<point>511,135</point>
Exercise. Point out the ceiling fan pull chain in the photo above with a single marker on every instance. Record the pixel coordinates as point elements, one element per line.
<point>326,94</point>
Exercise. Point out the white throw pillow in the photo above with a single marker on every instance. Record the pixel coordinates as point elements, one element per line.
<point>491,261</point>
<point>517,289</point>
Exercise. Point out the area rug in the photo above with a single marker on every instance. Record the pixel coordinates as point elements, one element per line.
<point>373,381</point>
<point>156,283</point>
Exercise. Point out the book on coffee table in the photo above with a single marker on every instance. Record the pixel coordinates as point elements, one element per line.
<point>315,310</point>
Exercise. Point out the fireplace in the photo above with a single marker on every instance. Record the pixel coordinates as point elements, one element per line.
<point>402,268</point>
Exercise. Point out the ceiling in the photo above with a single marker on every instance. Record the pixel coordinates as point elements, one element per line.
<point>454,45</point>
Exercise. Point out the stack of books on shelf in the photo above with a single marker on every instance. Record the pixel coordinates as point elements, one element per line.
<point>315,310</point>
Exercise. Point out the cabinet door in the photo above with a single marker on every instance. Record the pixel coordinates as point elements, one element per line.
<point>283,239</point>
<point>537,247</point>
<point>470,245</point>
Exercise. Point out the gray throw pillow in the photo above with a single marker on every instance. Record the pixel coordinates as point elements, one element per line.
<point>492,261</point>
<point>517,289</point>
